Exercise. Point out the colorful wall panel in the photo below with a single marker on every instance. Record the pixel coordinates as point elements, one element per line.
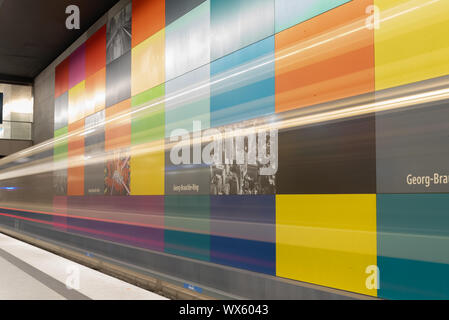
<point>411,160</point>
<point>243,232</point>
<point>118,126</point>
<point>316,61</point>
<point>148,61</point>
<point>148,18</point>
<point>96,52</point>
<point>75,170</point>
<point>61,111</point>
<point>326,239</point>
<point>188,42</point>
<point>187,226</point>
<point>95,87</point>
<point>188,100</point>
<point>292,12</point>
<point>343,195</point>
<point>236,24</point>
<point>62,78</point>
<point>238,94</point>
<point>77,66</point>
<point>337,157</point>
<point>412,246</point>
<point>94,149</point>
<point>411,43</point>
<point>118,80</point>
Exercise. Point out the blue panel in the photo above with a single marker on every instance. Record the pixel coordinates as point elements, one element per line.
<point>255,256</point>
<point>243,232</point>
<point>413,242</point>
<point>243,84</point>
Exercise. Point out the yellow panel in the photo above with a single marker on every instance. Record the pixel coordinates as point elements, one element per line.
<point>147,169</point>
<point>327,240</point>
<point>77,102</point>
<point>148,63</point>
<point>411,43</point>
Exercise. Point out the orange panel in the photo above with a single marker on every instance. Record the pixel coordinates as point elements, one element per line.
<point>118,132</point>
<point>326,58</point>
<point>148,17</point>
<point>75,171</point>
<point>96,52</point>
<point>95,92</point>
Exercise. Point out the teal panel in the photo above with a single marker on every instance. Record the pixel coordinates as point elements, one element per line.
<point>187,244</point>
<point>413,246</point>
<point>187,226</point>
<point>292,12</point>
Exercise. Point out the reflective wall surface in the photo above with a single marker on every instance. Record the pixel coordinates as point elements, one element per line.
<point>271,138</point>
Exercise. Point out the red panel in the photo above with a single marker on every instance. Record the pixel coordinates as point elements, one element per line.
<point>62,78</point>
<point>96,52</point>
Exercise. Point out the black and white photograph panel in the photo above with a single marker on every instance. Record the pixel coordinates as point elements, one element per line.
<point>118,34</point>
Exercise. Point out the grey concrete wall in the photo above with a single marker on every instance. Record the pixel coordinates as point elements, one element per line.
<point>8,147</point>
<point>44,83</point>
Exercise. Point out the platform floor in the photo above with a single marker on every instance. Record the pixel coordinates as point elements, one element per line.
<point>30,273</point>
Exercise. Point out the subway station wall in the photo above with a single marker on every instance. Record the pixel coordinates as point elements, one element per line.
<point>341,199</point>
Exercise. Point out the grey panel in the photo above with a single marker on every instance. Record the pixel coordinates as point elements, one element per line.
<point>186,179</point>
<point>413,149</point>
<point>118,34</point>
<point>175,9</point>
<point>61,111</point>
<point>238,23</point>
<point>94,151</point>
<point>60,182</point>
<point>187,42</point>
<point>118,80</point>
<point>96,122</point>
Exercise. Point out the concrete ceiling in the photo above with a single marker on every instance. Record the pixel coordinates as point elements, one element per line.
<point>33,33</point>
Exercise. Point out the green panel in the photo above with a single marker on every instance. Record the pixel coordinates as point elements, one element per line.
<point>61,148</point>
<point>148,124</point>
<point>188,212</point>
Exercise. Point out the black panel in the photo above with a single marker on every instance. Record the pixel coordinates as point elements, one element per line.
<point>175,9</point>
<point>118,80</point>
<point>328,158</point>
